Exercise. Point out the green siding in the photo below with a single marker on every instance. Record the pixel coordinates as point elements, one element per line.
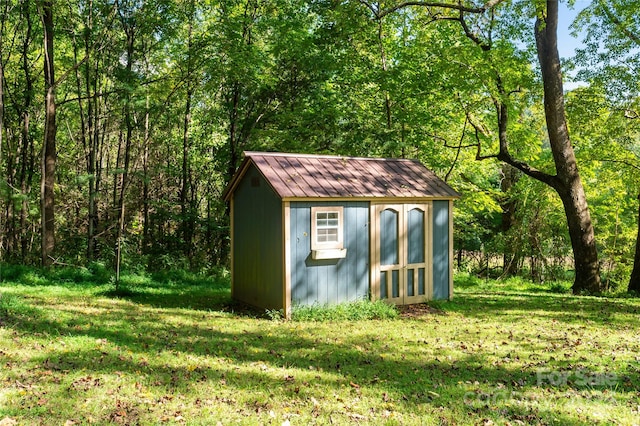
<point>258,276</point>
<point>441,250</point>
<point>326,282</point>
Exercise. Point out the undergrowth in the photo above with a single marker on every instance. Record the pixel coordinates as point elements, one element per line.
<point>353,311</point>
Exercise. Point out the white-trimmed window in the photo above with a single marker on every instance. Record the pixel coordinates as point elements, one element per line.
<point>326,228</point>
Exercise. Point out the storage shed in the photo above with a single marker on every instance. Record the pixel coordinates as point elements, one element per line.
<point>317,229</point>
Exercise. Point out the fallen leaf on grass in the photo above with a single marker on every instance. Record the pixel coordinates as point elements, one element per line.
<point>85,383</point>
<point>8,421</point>
<point>355,416</point>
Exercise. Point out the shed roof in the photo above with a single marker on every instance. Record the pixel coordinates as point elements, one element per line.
<point>327,176</point>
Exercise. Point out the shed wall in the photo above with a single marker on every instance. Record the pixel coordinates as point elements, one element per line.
<point>258,274</point>
<point>333,281</point>
<point>441,250</point>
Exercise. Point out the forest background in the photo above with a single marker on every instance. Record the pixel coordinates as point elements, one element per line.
<point>122,121</point>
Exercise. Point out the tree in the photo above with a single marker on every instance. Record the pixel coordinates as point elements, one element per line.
<point>634,280</point>
<point>49,153</point>
<point>566,181</point>
<point>2,29</point>
<point>20,100</point>
<point>91,43</point>
<point>613,42</point>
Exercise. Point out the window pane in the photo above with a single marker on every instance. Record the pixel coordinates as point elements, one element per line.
<point>395,284</point>
<point>416,236</point>
<point>410,291</point>
<point>327,235</point>
<point>327,225</point>
<point>389,237</point>
<point>383,284</point>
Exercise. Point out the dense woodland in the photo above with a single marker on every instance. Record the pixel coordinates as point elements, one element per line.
<point>121,122</point>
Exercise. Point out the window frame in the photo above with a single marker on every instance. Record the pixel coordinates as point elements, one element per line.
<point>328,245</point>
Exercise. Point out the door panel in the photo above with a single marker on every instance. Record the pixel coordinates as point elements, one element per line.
<point>417,238</point>
<point>389,226</point>
<point>390,221</point>
<point>400,252</point>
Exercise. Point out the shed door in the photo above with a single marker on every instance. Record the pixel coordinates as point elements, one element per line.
<point>400,272</point>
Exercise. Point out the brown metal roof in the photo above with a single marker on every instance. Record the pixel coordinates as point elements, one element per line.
<point>324,176</point>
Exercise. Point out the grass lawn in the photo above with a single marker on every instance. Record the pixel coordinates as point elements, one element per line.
<point>172,350</point>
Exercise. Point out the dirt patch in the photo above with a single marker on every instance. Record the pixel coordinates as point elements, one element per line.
<point>419,310</point>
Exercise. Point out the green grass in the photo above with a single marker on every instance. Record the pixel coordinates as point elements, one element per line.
<point>354,311</point>
<point>173,349</point>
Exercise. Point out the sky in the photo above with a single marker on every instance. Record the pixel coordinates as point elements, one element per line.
<point>566,42</point>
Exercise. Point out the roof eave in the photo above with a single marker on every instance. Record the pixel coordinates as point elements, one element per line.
<point>237,177</point>
<point>373,199</point>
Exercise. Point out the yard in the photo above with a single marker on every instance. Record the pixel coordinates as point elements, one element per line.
<point>173,349</point>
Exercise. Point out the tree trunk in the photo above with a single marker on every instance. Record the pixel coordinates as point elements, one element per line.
<point>3,225</point>
<point>185,206</point>
<point>634,281</point>
<point>90,133</point>
<point>383,64</point>
<point>49,148</point>
<point>26,147</point>
<point>511,255</point>
<point>568,183</point>
<point>127,155</point>
<point>145,180</point>
<point>233,137</point>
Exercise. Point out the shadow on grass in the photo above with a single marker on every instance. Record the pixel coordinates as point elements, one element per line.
<point>466,282</point>
<point>129,339</point>
<point>181,297</point>
<point>174,289</point>
<point>154,325</point>
<point>566,309</point>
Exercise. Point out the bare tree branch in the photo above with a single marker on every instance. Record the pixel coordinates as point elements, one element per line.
<point>473,36</point>
<point>455,160</point>
<point>453,6</point>
<point>624,162</point>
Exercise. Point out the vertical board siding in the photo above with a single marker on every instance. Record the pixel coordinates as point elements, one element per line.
<point>332,281</point>
<point>441,250</point>
<point>257,243</point>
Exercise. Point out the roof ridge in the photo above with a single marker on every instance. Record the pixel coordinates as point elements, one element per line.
<point>327,156</point>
